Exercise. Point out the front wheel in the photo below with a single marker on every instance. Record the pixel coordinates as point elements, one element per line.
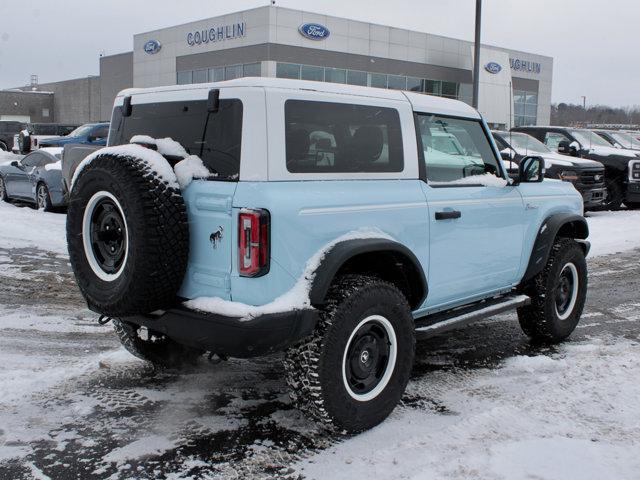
<point>351,373</point>
<point>3,190</point>
<point>613,195</point>
<point>558,294</point>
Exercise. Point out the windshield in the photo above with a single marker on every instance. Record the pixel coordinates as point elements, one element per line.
<point>81,131</point>
<point>626,140</point>
<point>589,139</point>
<point>522,141</point>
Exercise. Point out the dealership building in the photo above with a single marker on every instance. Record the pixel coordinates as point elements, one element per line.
<point>271,41</point>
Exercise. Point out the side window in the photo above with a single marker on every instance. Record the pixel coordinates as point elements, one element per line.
<point>455,149</point>
<point>326,137</point>
<point>101,132</point>
<point>33,160</point>
<point>553,139</point>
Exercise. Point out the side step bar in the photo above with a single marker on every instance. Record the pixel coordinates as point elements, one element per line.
<point>443,321</point>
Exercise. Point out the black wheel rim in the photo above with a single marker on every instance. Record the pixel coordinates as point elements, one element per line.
<point>367,358</point>
<point>108,236</point>
<point>564,291</point>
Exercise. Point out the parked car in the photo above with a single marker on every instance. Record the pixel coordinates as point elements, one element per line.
<point>587,176</point>
<point>622,166</point>
<point>36,178</point>
<point>32,134</point>
<point>89,133</point>
<point>619,139</point>
<point>319,219</point>
<point>7,130</point>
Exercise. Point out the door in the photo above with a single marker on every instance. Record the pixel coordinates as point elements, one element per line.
<point>475,218</point>
<point>26,184</point>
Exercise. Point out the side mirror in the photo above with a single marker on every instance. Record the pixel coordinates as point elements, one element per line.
<point>15,164</point>
<point>567,148</point>
<point>531,170</point>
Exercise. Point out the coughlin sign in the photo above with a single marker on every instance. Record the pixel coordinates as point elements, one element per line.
<point>217,34</point>
<point>525,65</point>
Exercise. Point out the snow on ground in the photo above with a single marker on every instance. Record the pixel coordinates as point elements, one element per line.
<point>558,417</point>
<point>22,226</point>
<point>613,232</point>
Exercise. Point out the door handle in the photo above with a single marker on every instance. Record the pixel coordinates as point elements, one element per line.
<point>450,214</point>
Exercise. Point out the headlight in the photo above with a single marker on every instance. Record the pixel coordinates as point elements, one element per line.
<point>569,176</point>
<point>634,170</point>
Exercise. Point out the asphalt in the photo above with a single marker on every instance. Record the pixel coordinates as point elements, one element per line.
<point>227,420</point>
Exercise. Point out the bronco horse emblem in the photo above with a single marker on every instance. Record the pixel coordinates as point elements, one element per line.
<point>216,237</point>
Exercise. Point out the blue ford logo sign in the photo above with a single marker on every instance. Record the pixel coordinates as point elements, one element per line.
<point>152,46</point>
<point>314,31</point>
<point>493,67</point>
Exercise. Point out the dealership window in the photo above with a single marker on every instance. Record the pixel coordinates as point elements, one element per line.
<point>185,77</point>
<point>216,74</point>
<point>325,137</point>
<point>200,76</point>
<point>525,107</point>
<point>232,71</point>
<point>251,69</point>
<point>461,91</point>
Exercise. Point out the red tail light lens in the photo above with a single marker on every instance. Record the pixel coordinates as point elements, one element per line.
<point>253,242</point>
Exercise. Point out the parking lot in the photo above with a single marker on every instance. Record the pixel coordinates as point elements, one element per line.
<point>74,404</point>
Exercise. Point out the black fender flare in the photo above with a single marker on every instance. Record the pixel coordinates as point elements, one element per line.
<point>561,224</point>
<point>343,253</point>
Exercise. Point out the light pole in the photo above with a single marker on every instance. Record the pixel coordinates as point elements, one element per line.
<point>584,102</point>
<point>476,54</point>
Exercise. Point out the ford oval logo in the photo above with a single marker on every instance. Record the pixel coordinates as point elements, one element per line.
<point>314,31</point>
<point>152,46</point>
<point>493,67</point>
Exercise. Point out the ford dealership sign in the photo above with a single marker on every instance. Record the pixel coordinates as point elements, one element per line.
<point>493,67</point>
<point>314,31</point>
<point>152,46</point>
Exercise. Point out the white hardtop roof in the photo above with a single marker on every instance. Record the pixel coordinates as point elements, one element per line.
<point>420,102</point>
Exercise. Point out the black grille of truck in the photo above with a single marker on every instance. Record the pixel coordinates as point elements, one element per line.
<point>594,178</point>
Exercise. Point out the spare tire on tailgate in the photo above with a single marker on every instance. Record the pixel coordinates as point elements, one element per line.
<point>127,231</point>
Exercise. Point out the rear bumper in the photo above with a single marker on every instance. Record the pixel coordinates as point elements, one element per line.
<point>231,336</point>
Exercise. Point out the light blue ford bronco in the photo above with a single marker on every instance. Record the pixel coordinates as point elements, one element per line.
<point>331,222</point>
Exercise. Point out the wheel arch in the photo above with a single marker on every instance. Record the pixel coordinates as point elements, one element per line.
<point>564,225</point>
<point>383,258</point>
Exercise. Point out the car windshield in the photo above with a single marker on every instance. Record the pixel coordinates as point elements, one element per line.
<point>589,139</point>
<point>524,143</point>
<point>626,140</point>
<point>81,131</point>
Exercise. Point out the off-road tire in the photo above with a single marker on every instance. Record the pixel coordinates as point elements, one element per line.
<point>540,320</point>
<point>614,195</point>
<point>43,198</point>
<point>3,190</point>
<point>3,147</point>
<point>155,216</point>
<point>24,143</point>
<point>157,349</point>
<point>314,367</point>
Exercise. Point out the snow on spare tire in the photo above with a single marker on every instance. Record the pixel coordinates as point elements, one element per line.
<point>127,231</point>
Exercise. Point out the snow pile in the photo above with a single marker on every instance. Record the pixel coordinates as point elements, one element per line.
<point>297,298</point>
<point>165,146</point>
<point>152,445</point>
<point>154,160</point>
<point>486,180</point>
<point>188,169</point>
<point>54,166</point>
<point>25,227</point>
<point>571,415</point>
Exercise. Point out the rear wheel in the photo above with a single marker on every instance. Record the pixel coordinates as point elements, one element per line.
<point>154,347</point>
<point>24,143</point>
<point>558,294</point>
<point>3,190</point>
<point>43,199</point>
<point>351,373</point>
<point>3,147</point>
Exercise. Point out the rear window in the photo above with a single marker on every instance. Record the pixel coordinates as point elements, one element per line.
<point>216,141</point>
<point>325,137</point>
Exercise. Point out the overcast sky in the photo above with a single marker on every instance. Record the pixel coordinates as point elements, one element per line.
<point>595,43</point>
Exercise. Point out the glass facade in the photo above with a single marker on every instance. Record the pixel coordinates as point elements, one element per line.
<point>525,108</point>
<point>460,91</point>
<point>217,74</point>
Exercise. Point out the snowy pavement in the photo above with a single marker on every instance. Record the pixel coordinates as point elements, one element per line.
<point>482,402</point>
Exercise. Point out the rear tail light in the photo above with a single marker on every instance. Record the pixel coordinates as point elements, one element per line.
<point>253,242</point>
